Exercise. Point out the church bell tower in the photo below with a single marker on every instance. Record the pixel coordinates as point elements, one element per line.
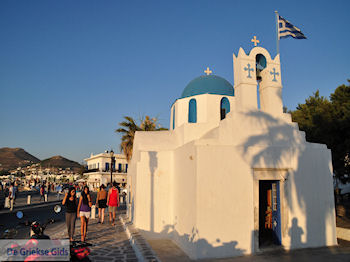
<point>257,69</point>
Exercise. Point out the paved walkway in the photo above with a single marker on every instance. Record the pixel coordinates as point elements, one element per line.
<point>141,246</point>
<point>109,243</point>
<point>168,251</point>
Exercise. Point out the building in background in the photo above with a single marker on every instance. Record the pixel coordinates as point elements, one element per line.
<point>99,169</point>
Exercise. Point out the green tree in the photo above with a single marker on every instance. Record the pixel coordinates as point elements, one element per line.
<point>4,172</point>
<point>341,141</point>
<point>313,117</point>
<point>129,127</point>
<point>328,122</point>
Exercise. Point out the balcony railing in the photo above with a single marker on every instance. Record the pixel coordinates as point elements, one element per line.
<point>91,170</point>
<point>104,170</point>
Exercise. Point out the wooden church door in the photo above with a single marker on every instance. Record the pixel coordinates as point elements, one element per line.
<point>270,215</point>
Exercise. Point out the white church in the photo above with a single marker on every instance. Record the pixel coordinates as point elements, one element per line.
<point>233,175</point>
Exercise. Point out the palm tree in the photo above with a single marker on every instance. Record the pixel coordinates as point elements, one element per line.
<point>128,129</point>
<point>151,124</point>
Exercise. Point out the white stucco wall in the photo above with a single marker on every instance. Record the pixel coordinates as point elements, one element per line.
<point>152,197</point>
<point>310,199</point>
<point>208,109</point>
<point>185,197</point>
<point>207,206</point>
<point>224,202</point>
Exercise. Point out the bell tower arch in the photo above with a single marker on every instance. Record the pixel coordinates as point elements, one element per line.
<point>257,68</point>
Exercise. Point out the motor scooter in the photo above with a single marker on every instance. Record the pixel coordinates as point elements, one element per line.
<point>79,251</point>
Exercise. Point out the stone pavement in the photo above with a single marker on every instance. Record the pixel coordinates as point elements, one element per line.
<point>142,248</point>
<point>124,243</point>
<point>109,243</point>
<point>168,251</point>
<point>330,254</point>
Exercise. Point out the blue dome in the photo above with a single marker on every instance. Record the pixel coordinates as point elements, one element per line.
<point>208,84</point>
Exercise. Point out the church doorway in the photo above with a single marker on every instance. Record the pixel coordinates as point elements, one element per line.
<point>269,213</point>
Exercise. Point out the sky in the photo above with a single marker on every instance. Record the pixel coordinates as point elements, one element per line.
<point>70,70</point>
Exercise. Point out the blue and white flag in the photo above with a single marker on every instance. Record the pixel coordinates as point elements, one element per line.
<point>286,29</point>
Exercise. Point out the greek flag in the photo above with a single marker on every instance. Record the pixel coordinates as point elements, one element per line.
<point>286,29</point>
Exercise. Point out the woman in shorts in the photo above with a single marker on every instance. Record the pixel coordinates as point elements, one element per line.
<point>113,202</point>
<point>84,210</point>
<point>101,202</point>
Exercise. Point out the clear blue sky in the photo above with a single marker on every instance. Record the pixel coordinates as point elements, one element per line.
<point>70,70</point>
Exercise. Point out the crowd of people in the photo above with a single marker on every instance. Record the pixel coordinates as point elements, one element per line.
<point>82,208</point>
<point>77,201</point>
<point>10,190</point>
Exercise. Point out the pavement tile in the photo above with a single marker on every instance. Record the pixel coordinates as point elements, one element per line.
<point>109,243</point>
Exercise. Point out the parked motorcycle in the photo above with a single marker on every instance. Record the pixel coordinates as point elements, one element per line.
<point>36,229</point>
<point>79,251</point>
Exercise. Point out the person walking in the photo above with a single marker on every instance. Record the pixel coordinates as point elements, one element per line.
<point>101,203</point>
<point>113,202</point>
<point>42,192</point>
<point>84,210</point>
<point>71,203</point>
<point>11,196</point>
<point>14,192</point>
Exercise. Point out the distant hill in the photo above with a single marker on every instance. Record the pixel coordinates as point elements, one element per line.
<point>11,158</point>
<point>60,162</point>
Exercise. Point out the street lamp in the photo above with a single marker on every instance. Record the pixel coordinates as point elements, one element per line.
<point>112,161</point>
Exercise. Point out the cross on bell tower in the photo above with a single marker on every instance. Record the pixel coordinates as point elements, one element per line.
<point>274,73</point>
<point>208,71</point>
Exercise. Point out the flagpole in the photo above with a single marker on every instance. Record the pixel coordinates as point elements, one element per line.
<point>277,33</point>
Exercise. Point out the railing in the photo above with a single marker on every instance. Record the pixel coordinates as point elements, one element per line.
<point>105,171</point>
<point>114,171</point>
<point>91,170</point>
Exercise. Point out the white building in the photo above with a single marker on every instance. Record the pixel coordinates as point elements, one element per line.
<point>231,177</point>
<point>99,169</point>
